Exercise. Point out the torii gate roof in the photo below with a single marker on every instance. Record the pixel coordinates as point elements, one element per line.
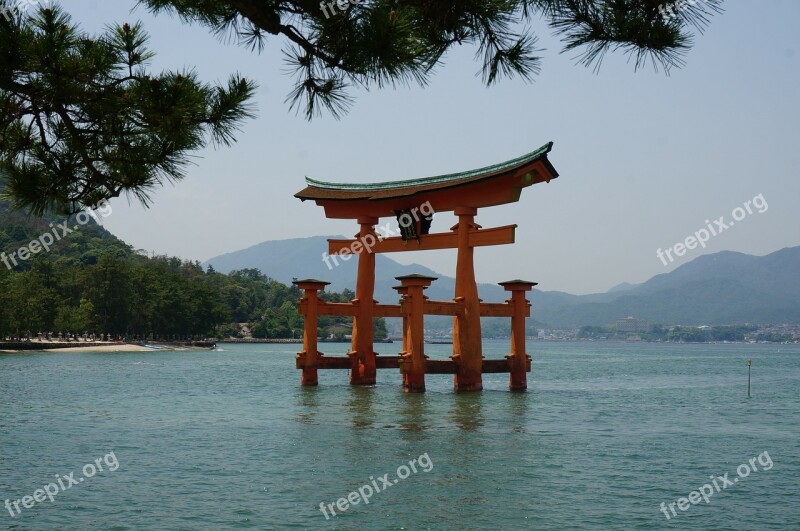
<point>490,186</point>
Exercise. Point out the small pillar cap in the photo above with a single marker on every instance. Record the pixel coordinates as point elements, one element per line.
<point>416,280</point>
<point>517,284</point>
<point>416,276</point>
<point>310,282</point>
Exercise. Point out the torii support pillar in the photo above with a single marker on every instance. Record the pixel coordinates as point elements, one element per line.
<point>363,369</point>
<point>412,361</point>
<point>309,358</point>
<point>403,292</point>
<point>467,348</point>
<point>518,360</point>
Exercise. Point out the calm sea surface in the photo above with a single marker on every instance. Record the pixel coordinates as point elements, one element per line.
<point>229,440</point>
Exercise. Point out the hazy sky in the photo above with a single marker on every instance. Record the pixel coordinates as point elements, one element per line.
<point>645,159</point>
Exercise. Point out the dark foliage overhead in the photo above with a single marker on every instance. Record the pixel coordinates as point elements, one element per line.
<point>387,42</point>
<point>83,120</point>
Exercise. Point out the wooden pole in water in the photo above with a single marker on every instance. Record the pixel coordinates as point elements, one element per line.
<point>749,363</point>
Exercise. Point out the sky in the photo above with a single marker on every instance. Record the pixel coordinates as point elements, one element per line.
<point>646,160</point>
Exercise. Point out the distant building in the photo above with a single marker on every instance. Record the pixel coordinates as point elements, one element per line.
<point>631,325</point>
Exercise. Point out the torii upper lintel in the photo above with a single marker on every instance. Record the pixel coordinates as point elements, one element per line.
<point>490,186</point>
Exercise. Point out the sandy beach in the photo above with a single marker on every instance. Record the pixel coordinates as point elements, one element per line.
<point>104,348</point>
<point>95,348</point>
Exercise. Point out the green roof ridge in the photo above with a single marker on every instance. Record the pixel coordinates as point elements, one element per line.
<point>529,157</point>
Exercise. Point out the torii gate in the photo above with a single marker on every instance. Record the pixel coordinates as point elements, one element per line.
<point>461,193</point>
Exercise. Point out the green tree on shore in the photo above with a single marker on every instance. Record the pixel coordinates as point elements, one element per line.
<point>94,283</point>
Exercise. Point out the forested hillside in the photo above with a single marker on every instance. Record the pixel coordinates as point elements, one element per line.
<point>90,281</point>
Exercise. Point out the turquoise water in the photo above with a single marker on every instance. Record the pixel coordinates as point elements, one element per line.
<point>229,440</point>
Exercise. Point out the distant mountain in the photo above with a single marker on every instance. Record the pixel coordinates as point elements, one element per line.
<point>622,287</point>
<point>284,260</point>
<point>721,288</point>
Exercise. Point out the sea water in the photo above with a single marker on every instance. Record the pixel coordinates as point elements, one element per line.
<point>605,434</point>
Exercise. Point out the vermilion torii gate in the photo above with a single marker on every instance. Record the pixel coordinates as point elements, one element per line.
<point>462,194</point>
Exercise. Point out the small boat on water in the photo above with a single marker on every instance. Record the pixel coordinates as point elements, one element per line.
<point>439,341</point>
<point>154,347</point>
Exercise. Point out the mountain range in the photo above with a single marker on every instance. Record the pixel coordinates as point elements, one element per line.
<point>721,288</point>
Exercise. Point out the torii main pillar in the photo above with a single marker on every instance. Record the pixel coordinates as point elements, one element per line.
<point>363,371</point>
<point>467,348</point>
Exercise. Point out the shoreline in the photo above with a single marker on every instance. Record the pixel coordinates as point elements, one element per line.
<point>298,340</point>
<point>95,346</point>
<point>39,347</point>
<point>92,348</point>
